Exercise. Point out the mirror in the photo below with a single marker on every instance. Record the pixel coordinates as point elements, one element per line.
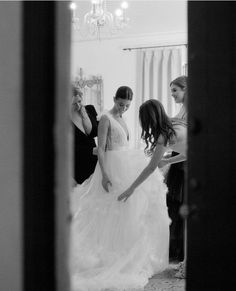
<point>155,36</point>
<point>92,89</point>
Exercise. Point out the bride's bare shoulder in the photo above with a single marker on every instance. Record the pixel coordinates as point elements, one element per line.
<point>103,121</point>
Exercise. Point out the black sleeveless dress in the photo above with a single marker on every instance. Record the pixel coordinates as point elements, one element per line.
<point>84,159</point>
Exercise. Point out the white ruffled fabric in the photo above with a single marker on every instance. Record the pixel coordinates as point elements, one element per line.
<point>118,245</point>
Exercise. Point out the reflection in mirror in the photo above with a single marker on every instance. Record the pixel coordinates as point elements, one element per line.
<point>92,88</point>
<point>146,56</point>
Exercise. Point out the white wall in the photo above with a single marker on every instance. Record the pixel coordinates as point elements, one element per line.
<point>106,58</point>
<point>118,67</point>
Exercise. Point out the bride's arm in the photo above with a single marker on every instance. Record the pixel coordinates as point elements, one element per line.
<point>151,167</point>
<point>102,139</point>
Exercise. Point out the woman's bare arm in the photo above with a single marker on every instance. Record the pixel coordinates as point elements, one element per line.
<point>172,160</point>
<point>102,139</point>
<point>151,167</point>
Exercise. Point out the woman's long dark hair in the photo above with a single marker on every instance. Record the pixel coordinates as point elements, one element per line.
<point>155,123</point>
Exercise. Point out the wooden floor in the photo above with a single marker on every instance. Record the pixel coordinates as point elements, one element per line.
<point>166,281</point>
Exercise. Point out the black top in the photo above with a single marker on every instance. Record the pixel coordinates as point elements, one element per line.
<point>84,160</point>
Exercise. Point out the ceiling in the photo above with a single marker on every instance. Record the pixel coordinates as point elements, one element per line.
<point>146,16</point>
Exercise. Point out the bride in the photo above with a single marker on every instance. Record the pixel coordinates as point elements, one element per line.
<point>116,245</point>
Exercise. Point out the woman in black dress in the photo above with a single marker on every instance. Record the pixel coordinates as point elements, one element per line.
<point>84,121</point>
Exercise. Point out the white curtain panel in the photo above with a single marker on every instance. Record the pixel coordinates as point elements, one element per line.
<point>156,68</point>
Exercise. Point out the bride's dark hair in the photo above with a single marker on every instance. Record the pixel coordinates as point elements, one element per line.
<point>124,92</point>
<point>155,123</point>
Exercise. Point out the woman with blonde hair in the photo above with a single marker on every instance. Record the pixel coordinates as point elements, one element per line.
<point>85,125</point>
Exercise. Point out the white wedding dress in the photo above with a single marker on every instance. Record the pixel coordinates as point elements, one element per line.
<point>118,245</point>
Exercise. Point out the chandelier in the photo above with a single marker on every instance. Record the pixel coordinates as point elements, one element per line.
<point>99,21</point>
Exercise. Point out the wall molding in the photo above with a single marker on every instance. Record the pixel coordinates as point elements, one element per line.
<point>159,38</point>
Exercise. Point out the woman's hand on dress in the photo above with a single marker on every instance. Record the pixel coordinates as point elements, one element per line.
<point>125,195</point>
<point>106,183</point>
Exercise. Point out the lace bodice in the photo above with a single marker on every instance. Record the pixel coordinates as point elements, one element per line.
<point>117,138</point>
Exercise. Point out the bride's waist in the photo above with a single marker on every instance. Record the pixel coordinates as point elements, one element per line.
<point>125,153</point>
<point>118,148</point>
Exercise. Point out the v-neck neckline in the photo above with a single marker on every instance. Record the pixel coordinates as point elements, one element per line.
<point>124,130</point>
<point>79,129</point>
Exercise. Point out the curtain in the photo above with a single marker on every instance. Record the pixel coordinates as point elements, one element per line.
<point>156,68</point>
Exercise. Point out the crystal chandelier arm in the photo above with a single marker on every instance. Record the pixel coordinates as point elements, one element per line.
<point>99,21</point>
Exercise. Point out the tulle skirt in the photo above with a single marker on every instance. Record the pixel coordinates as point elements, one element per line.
<point>118,245</point>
